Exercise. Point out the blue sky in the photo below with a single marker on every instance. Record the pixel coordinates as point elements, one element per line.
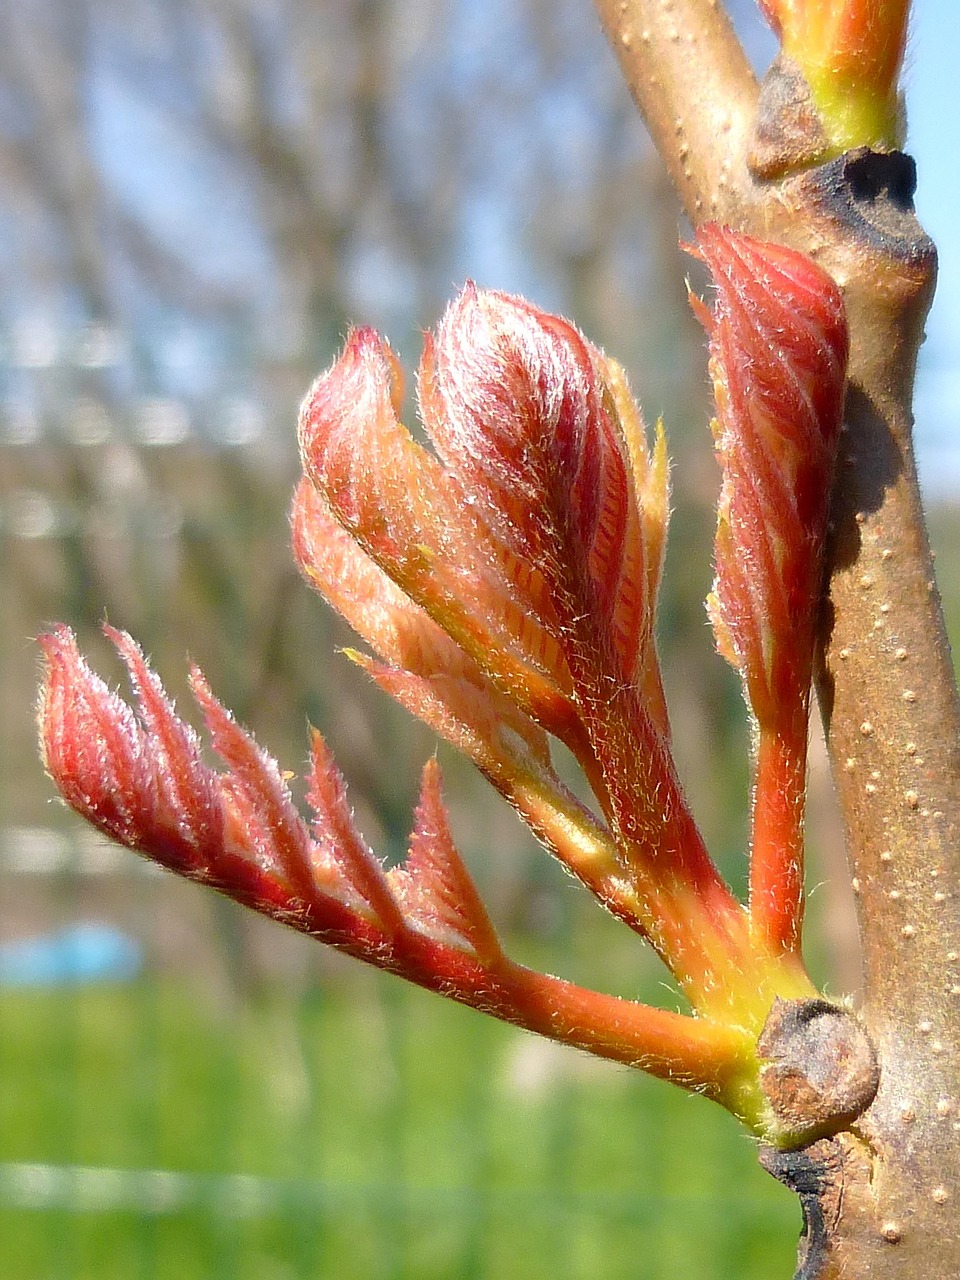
<point>933,109</point>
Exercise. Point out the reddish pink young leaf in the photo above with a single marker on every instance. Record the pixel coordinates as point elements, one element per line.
<point>142,782</point>
<point>339,843</point>
<point>185,785</point>
<point>509,398</point>
<point>376,478</point>
<point>517,404</point>
<point>778,350</point>
<point>650,471</point>
<point>634,614</point>
<point>434,888</point>
<point>269,826</point>
<point>397,502</point>
<point>423,667</point>
<point>335,564</point>
<point>402,633</point>
<point>539,433</point>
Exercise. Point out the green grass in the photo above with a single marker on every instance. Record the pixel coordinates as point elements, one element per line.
<point>388,1135</point>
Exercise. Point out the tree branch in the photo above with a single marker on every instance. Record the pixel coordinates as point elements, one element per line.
<point>697,93</point>
<point>886,684</point>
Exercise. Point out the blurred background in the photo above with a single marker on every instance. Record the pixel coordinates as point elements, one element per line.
<point>197,198</point>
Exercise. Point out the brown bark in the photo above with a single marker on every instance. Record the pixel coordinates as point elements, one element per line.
<point>881,1196</point>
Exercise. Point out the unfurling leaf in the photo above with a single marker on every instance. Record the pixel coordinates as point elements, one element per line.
<point>778,352</point>
<point>423,667</point>
<point>525,538</point>
<point>505,577</point>
<point>520,408</point>
<point>433,887</point>
<point>140,780</point>
<point>138,776</point>
<point>393,497</point>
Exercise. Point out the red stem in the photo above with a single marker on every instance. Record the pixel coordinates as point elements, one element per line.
<point>695,1052</point>
<point>776,855</point>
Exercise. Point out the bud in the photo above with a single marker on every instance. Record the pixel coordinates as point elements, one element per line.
<point>527,416</point>
<point>506,582</point>
<point>398,503</point>
<point>850,53</point>
<point>778,352</point>
<point>534,536</point>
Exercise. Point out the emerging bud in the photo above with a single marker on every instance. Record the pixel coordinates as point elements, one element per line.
<point>527,540</point>
<point>396,501</point>
<point>778,352</point>
<point>518,405</point>
<point>850,53</point>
